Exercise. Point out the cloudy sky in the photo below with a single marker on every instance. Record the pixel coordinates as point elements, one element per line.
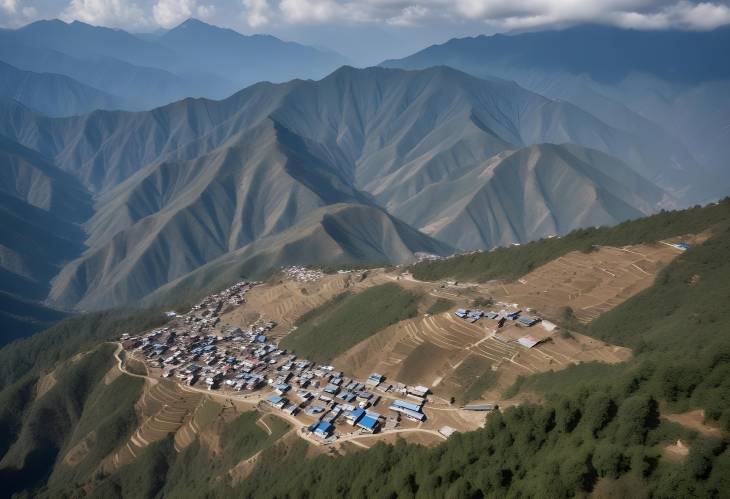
<point>370,29</point>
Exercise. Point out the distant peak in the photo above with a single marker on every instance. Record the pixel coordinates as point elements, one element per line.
<point>48,22</point>
<point>191,21</point>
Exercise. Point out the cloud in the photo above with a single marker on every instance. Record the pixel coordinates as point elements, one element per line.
<point>170,13</point>
<point>409,16</point>
<point>15,13</point>
<point>683,14</point>
<point>9,6</point>
<point>451,16</point>
<point>257,12</point>
<point>305,11</point>
<point>112,13</point>
<point>639,14</point>
<point>498,14</point>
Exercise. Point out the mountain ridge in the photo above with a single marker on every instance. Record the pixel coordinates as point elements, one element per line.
<point>651,92</point>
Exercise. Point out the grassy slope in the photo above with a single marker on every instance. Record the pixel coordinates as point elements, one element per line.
<point>477,376</point>
<point>31,356</point>
<point>441,305</point>
<point>678,331</point>
<point>79,405</point>
<point>340,324</point>
<point>513,262</point>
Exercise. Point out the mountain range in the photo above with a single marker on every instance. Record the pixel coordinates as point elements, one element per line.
<point>378,165</point>
<point>435,160</point>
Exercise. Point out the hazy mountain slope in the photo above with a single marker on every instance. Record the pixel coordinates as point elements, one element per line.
<point>382,119</point>
<point>20,318</point>
<point>192,60</point>
<point>633,80</point>
<point>337,234</point>
<point>139,87</point>
<point>371,120</point>
<point>104,148</point>
<point>39,208</point>
<point>533,192</point>
<point>30,177</point>
<point>243,60</point>
<point>82,40</point>
<point>52,94</point>
<point>677,55</point>
<point>34,245</point>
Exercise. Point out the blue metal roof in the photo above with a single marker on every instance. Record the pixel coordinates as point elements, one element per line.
<point>407,405</point>
<point>324,427</point>
<point>356,414</point>
<point>275,399</point>
<point>414,414</point>
<point>368,422</point>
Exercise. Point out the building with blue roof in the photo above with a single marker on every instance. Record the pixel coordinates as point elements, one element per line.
<point>331,389</point>
<point>323,429</point>
<point>354,416</point>
<point>527,321</point>
<point>411,406</point>
<point>369,423</point>
<point>375,379</point>
<point>414,415</point>
<point>277,401</point>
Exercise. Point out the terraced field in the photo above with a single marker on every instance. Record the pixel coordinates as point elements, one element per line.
<point>204,414</point>
<point>428,349</point>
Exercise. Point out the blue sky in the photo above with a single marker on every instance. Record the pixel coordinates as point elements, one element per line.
<point>368,30</point>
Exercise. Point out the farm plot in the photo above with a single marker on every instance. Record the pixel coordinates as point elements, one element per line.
<point>418,350</point>
<point>589,283</point>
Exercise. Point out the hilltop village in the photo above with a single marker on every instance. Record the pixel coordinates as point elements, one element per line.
<point>401,378</point>
<point>429,374</point>
<point>194,349</point>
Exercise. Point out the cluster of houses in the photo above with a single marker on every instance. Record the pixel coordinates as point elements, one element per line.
<point>302,274</point>
<point>515,316</point>
<point>328,397</point>
<point>501,317</point>
<point>196,350</point>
